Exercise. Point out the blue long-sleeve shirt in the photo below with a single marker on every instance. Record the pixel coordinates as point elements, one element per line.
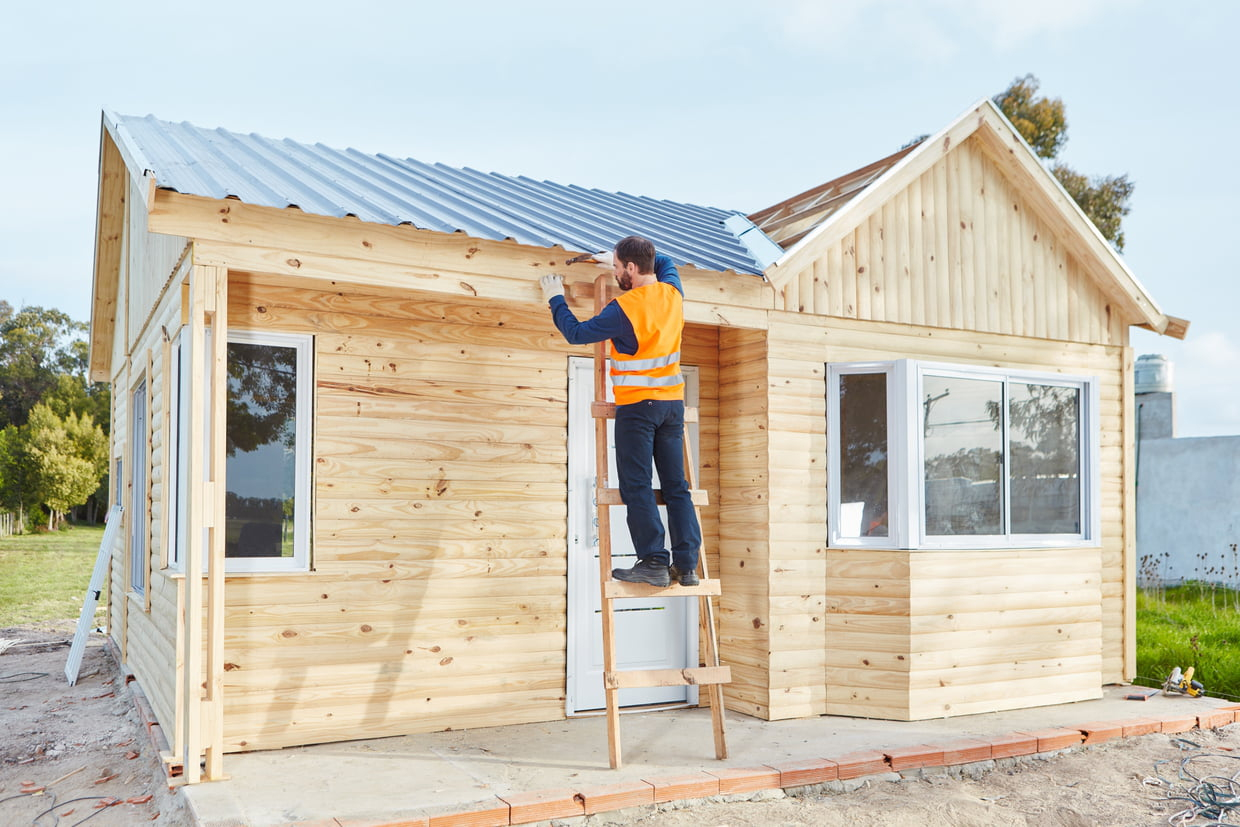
<point>611,322</point>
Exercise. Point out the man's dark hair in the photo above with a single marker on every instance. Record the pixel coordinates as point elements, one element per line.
<point>638,250</point>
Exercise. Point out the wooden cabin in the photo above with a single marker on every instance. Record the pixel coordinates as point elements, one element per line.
<point>340,402</point>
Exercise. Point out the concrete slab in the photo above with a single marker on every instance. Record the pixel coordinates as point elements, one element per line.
<point>405,778</point>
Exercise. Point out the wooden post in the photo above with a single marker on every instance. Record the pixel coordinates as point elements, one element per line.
<point>200,279</point>
<point>601,474</point>
<point>202,722</point>
<point>216,459</point>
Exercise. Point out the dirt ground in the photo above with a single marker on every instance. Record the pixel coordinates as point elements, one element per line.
<point>64,751</point>
<point>1112,784</point>
<point>67,751</point>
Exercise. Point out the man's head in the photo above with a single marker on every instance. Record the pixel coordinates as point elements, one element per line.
<point>634,257</point>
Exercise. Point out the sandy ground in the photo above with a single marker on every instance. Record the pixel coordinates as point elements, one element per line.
<point>1113,784</point>
<point>66,750</point>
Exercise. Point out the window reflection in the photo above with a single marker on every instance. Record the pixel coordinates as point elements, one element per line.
<point>864,449</point>
<point>262,451</point>
<point>1044,444</point>
<point>963,450</point>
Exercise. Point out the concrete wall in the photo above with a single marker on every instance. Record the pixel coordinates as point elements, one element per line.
<point>1188,509</point>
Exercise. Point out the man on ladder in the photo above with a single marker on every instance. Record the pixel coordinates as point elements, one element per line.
<point>644,324</point>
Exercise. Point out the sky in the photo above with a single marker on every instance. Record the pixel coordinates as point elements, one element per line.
<point>729,104</point>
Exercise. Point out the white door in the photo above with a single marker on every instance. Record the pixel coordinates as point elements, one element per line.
<point>654,633</point>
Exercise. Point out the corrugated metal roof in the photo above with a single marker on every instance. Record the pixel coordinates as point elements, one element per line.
<point>216,163</point>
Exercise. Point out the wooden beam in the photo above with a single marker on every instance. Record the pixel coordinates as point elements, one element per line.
<point>621,588</point>
<point>695,676</point>
<point>217,306</point>
<point>109,234</point>
<point>191,657</point>
<point>1129,567</point>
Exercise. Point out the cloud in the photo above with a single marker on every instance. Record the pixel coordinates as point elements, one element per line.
<point>931,30</point>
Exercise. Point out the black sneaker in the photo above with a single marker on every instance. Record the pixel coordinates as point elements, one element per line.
<point>643,572</point>
<point>688,578</point>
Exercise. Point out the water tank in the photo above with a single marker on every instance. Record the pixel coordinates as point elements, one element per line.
<point>1153,374</point>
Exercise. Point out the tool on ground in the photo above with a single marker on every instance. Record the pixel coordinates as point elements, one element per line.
<point>712,675</point>
<point>1182,683</point>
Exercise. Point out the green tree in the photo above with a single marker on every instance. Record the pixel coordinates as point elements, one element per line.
<point>67,458</point>
<point>1039,120</point>
<point>1043,124</point>
<point>17,489</point>
<point>36,346</point>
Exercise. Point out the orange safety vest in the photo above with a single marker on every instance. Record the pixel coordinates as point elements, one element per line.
<point>656,312</point>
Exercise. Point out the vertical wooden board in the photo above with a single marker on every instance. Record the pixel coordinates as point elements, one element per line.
<point>834,278</point>
<point>886,293</point>
<point>880,277</point>
<point>1045,292</point>
<point>1065,289</point>
<point>954,224</point>
<point>1097,307</point>
<point>908,308</point>
<point>848,275</point>
<point>974,311</point>
<point>822,278</point>
<point>922,230</point>
<point>1028,291</point>
<point>788,294</point>
<point>939,297</point>
<point>806,291</point>
<point>865,269</point>
<point>996,257</point>
<point>985,241</point>
<point>1075,299</point>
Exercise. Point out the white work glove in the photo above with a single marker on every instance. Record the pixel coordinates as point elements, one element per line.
<point>552,284</point>
<point>606,258</point>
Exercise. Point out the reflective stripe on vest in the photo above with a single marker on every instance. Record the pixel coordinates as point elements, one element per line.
<point>637,380</point>
<point>645,364</point>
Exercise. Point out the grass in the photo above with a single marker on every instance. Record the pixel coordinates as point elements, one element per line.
<point>45,576</point>
<point>1197,625</point>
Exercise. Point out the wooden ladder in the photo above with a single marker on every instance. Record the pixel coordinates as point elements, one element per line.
<point>712,675</point>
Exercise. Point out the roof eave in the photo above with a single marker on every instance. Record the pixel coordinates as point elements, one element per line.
<point>986,118</point>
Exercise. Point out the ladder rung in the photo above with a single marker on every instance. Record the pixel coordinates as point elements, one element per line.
<point>699,676</point>
<point>611,496</point>
<point>607,410</point>
<point>621,588</point>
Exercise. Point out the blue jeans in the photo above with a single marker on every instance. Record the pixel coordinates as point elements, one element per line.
<point>654,431</point>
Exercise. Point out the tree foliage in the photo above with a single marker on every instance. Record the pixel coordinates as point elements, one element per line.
<point>52,451</point>
<point>66,458</point>
<point>1103,199</point>
<point>1040,120</point>
<point>35,348</point>
<point>1043,124</point>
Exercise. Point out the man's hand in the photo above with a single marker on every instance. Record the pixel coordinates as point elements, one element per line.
<point>552,284</point>
<point>606,258</point>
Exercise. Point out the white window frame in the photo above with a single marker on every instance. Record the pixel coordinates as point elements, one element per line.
<point>906,457</point>
<point>179,480</point>
<point>300,561</point>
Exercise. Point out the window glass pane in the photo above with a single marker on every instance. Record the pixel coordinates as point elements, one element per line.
<point>262,451</point>
<point>963,447</point>
<point>1044,440</point>
<point>863,450</point>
